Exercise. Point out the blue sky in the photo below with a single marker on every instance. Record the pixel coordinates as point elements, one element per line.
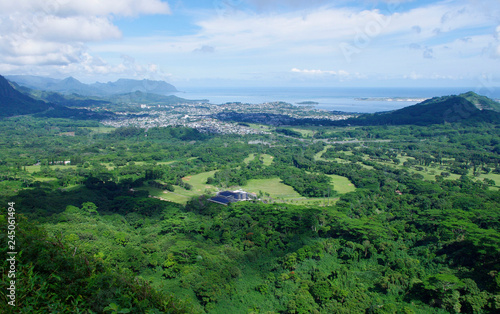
<point>256,42</point>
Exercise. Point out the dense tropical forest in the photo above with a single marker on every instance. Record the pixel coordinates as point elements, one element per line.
<point>360,219</point>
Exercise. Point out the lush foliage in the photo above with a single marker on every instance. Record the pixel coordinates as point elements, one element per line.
<point>420,234</point>
<point>53,275</point>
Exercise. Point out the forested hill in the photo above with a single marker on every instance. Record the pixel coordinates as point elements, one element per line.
<point>467,107</point>
<point>14,103</point>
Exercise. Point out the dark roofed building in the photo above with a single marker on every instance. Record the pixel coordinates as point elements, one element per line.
<point>220,200</point>
<point>226,197</point>
<point>226,194</point>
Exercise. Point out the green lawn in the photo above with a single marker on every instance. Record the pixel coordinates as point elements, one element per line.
<point>32,169</point>
<point>492,176</point>
<point>341,184</point>
<point>304,132</point>
<point>273,186</point>
<point>267,159</point>
<point>318,155</point>
<point>249,158</point>
<point>101,129</point>
<point>199,182</point>
<point>181,195</point>
<point>110,165</point>
<point>279,191</point>
<point>260,127</point>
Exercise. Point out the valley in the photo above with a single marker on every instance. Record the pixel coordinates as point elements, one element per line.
<point>116,216</point>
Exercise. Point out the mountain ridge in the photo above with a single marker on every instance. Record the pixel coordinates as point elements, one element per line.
<point>13,103</point>
<point>467,106</point>
<point>70,85</point>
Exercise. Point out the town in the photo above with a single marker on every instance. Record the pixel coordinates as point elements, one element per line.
<point>204,116</point>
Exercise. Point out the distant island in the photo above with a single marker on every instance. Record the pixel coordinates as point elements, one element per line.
<point>308,103</point>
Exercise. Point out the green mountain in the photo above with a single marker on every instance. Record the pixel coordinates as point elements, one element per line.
<point>71,85</point>
<point>481,102</point>
<point>14,103</point>
<point>123,86</point>
<point>467,107</point>
<point>139,97</point>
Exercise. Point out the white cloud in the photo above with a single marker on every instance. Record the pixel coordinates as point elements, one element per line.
<point>340,74</point>
<point>86,68</point>
<point>413,76</point>
<point>310,40</point>
<point>85,8</point>
<point>325,28</point>
<point>313,72</point>
<point>56,32</point>
<point>78,28</point>
<point>305,38</point>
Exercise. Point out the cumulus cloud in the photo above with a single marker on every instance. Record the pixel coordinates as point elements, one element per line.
<point>87,67</point>
<point>55,32</point>
<point>244,30</point>
<point>58,29</point>
<point>87,8</point>
<point>275,37</point>
<point>277,40</point>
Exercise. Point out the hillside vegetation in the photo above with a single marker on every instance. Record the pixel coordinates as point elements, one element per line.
<point>358,219</point>
<point>468,107</point>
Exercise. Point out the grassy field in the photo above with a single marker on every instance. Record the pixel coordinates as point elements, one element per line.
<point>32,169</point>
<point>267,159</point>
<point>181,195</point>
<point>318,155</point>
<point>280,192</point>
<point>304,132</point>
<point>429,172</point>
<point>249,158</point>
<point>199,182</point>
<point>110,165</point>
<point>277,190</point>
<point>341,184</point>
<point>492,176</point>
<point>260,127</point>
<point>273,186</point>
<point>102,129</point>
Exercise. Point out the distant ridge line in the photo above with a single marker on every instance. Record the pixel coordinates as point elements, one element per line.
<point>70,85</point>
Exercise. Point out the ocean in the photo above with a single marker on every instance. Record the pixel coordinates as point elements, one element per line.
<point>363,100</point>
